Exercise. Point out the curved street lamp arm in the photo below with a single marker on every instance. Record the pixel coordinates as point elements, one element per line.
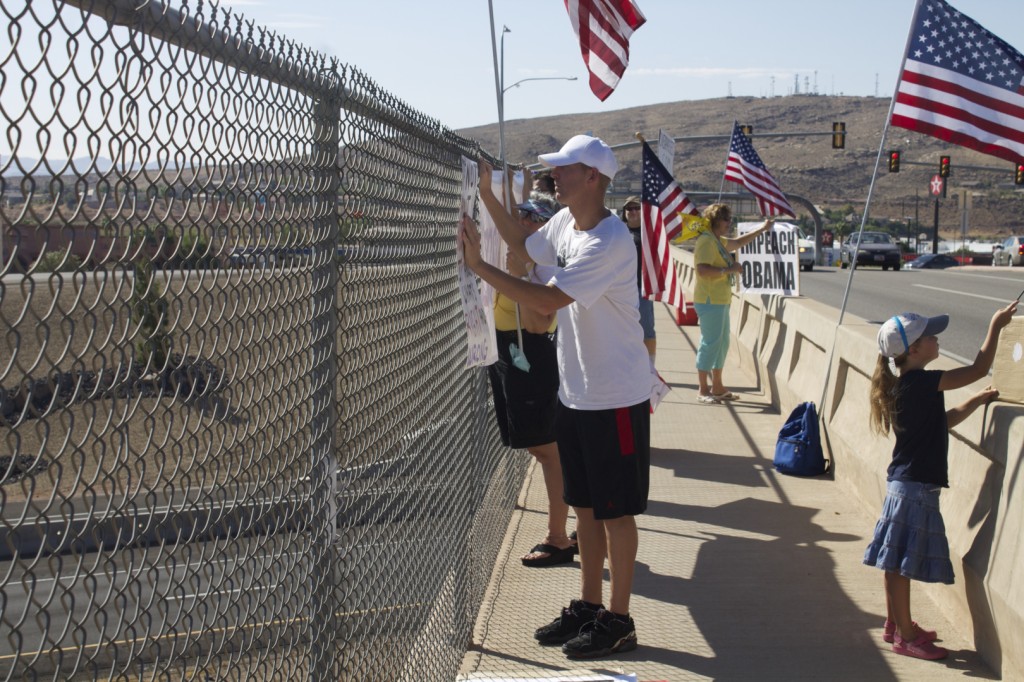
<point>540,78</point>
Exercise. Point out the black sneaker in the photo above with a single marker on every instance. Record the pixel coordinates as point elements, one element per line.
<point>604,635</point>
<point>567,625</point>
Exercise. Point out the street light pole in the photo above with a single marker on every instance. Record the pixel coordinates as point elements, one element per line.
<point>501,99</point>
<point>504,89</point>
<point>499,83</point>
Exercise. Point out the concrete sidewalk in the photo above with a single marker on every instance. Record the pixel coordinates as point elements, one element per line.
<point>742,573</point>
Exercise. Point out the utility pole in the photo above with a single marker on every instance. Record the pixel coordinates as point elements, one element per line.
<point>917,218</point>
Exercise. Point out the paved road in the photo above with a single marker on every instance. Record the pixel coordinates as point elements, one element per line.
<point>969,295</point>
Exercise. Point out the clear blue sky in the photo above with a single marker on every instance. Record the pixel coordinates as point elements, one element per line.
<point>437,56</point>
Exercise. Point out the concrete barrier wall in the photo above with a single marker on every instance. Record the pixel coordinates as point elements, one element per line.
<point>788,343</point>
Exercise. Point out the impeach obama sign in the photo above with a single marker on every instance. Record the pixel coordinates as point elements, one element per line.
<point>771,263</point>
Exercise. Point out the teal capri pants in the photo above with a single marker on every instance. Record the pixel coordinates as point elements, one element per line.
<point>714,335</point>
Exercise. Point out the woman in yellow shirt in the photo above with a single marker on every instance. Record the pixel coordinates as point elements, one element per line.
<point>712,295</point>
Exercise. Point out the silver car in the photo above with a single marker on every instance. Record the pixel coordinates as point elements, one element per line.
<point>1010,252</point>
<point>877,248</point>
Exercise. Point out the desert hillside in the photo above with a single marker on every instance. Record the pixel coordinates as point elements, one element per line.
<point>806,166</point>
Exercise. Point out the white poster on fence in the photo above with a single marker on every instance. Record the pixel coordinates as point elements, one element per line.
<point>482,347</point>
<point>478,296</point>
<point>492,248</point>
<point>771,263</point>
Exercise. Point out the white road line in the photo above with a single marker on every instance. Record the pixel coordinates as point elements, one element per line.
<point>1008,278</point>
<point>1004,301</point>
<point>219,592</point>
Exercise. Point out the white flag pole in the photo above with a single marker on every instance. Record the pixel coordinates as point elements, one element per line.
<point>721,187</point>
<point>867,206</point>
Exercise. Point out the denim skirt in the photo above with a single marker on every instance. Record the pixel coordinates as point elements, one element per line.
<point>910,538</point>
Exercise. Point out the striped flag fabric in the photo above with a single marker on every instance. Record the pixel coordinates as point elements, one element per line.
<point>604,28</point>
<point>662,205</point>
<point>961,84</point>
<point>745,167</point>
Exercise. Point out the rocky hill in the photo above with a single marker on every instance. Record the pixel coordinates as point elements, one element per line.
<point>836,179</point>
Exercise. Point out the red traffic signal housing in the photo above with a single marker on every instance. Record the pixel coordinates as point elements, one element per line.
<point>943,166</point>
<point>894,160</point>
<point>1018,176</point>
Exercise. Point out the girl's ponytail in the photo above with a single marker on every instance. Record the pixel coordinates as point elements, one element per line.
<point>883,394</point>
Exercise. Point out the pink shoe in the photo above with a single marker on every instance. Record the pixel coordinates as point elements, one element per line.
<point>921,647</point>
<point>889,631</point>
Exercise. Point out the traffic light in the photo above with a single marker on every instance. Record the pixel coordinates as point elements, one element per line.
<point>894,160</point>
<point>838,135</point>
<point>1018,176</point>
<point>747,130</point>
<point>943,166</point>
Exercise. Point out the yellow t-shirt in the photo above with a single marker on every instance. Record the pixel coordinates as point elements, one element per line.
<point>505,315</point>
<point>715,289</point>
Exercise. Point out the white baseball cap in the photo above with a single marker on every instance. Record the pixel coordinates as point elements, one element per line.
<point>899,332</point>
<point>590,151</point>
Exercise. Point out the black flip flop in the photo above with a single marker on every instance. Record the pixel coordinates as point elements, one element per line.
<point>555,556</point>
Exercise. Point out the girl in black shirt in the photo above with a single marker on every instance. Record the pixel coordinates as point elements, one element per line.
<point>909,541</point>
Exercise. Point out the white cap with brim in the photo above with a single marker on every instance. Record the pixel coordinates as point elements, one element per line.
<point>590,151</point>
<point>898,333</point>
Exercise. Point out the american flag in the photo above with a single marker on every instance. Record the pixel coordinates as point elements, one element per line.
<point>662,202</point>
<point>745,167</point>
<point>961,84</point>
<point>604,28</point>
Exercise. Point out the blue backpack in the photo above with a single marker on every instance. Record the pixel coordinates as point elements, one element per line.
<point>798,450</point>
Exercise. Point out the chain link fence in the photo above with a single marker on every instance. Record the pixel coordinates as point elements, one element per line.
<point>238,441</point>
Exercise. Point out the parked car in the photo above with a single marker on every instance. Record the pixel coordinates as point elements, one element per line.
<point>874,248</point>
<point>1010,252</point>
<point>933,261</point>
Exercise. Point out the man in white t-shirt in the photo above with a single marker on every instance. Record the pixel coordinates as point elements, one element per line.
<point>587,260</point>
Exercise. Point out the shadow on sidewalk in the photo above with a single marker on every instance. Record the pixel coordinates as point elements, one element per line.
<point>708,466</point>
<point>764,596</point>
